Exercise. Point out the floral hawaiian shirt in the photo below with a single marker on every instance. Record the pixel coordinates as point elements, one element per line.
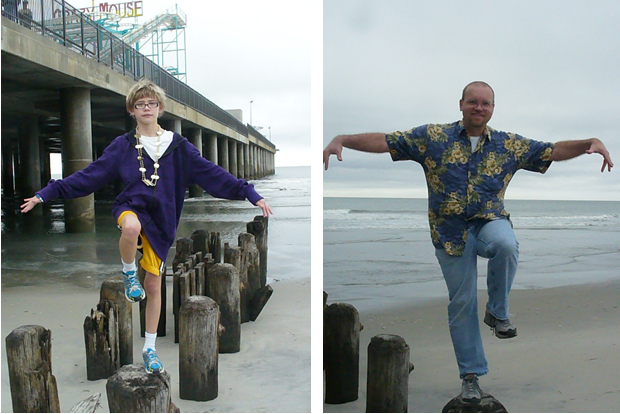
<point>463,185</point>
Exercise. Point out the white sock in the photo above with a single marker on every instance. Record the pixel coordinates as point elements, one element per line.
<point>149,341</point>
<point>128,267</point>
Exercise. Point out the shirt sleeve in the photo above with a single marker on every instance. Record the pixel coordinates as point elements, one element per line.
<point>88,180</point>
<point>408,145</point>
<point>537,158</point>
<point>217,181</point>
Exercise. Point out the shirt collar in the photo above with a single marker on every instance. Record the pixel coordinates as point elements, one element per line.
<point>486,134</point>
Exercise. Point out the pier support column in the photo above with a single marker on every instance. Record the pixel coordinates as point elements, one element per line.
<point>246,162</point>
<point>30,158</point>
<point>176,126</point>
<point>195,137</point>
<point>233,157</point>
<point>77,154</point>
<point>222,146</point>
<point>7,168</point>
<point>240,163</point>
<point>255,161</point>
<point>212,147</point>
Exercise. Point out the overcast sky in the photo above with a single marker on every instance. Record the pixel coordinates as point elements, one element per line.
<point>240,51</point>
<point>396,64</point>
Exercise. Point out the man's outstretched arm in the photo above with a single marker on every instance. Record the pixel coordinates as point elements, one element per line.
<point>368,142</point>
<point>565,150</point>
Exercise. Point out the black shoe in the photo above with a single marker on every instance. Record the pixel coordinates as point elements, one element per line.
<point>503,329</point>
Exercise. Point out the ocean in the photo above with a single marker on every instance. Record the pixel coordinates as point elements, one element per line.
<point>38,250</point>
<point>378,252</point>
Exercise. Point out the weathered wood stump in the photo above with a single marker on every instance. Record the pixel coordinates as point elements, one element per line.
<point>199,320</point>
<point>259,300</point>
<point>29,356</point>
<point>184,248</point>
<point>176,302</point>
<point>101,340</point>
<point>223,287</point>
<point>88,405</point>
<point>251,257</point>
<point>113,289</point>
<point>161,325</point>
<point>341,353</point>
<point>232,255</point>
<point>388,375</point>
<point>201,287</point>
<point>259,228</point>
<point>488,404</point>
<point>132,390</point>
<point>199,237</point>
<point>214,246</point>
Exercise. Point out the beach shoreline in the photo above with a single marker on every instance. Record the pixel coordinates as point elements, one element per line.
<point>564,359</point>
<point>271,373</point>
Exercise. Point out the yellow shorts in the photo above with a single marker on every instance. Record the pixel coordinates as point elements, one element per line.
<point>150,261</point>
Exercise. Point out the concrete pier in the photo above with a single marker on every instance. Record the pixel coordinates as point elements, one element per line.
<point>30,157</point>
<point>58,100</point>
<point>195,137</point>
<point>77,154</point>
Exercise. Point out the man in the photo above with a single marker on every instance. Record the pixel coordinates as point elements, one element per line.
<point>468,166</point>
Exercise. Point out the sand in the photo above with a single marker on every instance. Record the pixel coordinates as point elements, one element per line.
<point>271,373</point>
<point>566,357</point>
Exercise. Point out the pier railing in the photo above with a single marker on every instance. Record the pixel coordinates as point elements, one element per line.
<point>67,25</point>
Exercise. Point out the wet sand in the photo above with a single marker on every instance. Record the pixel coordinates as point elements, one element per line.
<point>271,373</point>
<point>566,357</point>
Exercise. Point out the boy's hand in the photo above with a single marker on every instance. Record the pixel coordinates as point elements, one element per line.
<point>29,204</point>
<point>265,207</point>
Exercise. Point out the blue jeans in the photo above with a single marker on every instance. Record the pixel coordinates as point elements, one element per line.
<point>496,241</point>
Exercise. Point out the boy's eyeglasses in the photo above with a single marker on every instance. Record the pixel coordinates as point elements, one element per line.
<point>144,105</point>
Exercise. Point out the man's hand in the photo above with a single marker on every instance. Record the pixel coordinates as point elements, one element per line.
<point>334,147</point>
<point>29,204</point>
<point>264,207</point>
<point>598,147</point>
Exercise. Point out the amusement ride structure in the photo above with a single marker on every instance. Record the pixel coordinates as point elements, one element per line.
<point>161,38</point>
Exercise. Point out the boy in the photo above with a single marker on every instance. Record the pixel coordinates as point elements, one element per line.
<point>148,209</point>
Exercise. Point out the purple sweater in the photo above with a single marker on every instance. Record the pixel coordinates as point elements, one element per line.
<point>158,208</point>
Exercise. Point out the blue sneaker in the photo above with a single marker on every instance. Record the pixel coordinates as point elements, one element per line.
<point>152,364</point>
<point>133,289</point>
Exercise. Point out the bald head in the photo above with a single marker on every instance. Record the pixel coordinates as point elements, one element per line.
<point>478,83</point>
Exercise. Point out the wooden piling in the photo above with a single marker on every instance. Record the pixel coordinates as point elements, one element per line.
<point>199,321</point>
<point>214,246</point>
<point>388,375</point>
<point>199,237</point>
<point>232,255</point>
<point>200,279</point>
<point>341,342</point>
<point>487,404</point>
<point>101,340</point>
<point>259,228</point>
<point>132,390</point>
<point>259,300</point>
<point>29,357</point>
<point>113,289</point>
<point>223,287</point>
<point>184,248</point>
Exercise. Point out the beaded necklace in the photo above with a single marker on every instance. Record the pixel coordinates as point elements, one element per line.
<point>154,177</point>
